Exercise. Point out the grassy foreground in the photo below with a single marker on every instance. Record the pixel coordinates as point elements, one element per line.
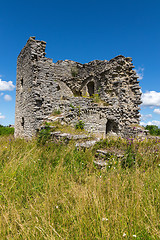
<point>55,192</point>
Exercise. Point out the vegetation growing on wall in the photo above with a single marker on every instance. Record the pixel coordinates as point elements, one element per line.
<point>56,112</point>
<point>80,125</point>
<point>74,71</point>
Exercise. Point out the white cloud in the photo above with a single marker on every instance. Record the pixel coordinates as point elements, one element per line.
<point>140,73</point>
<point>145,117</point>
<point>1,94</point>
<point>2,116</point>
<point>6,86</point>
<point>7,98</point>
<point>157,110</point>
<point>153,122</point>
<point>151,98</point>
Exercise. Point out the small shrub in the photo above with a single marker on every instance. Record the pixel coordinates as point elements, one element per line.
<point>80,125</point>
<point>71,106</point>
<point>44,135</point>
<point>96,98</point>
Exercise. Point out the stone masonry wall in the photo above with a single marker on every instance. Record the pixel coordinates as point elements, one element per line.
<point>43,86</point>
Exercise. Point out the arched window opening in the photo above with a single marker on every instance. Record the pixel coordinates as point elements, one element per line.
<point>111,126</point>
<point>90,87</point>
<point>39,102</point>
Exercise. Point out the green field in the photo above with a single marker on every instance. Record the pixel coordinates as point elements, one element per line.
<point>54,191</point>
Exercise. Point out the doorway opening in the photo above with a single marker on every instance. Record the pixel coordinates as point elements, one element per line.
<point>111,126</point>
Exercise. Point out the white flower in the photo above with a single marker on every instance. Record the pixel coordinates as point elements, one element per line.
<point>134,236</point>
<point>124,234</point>
<point>104,219</point>
<point>56,206</point>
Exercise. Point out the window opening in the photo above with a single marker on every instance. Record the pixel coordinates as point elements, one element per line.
<point>22,123</point>
<point>21,82</point>
<point>90,87</point>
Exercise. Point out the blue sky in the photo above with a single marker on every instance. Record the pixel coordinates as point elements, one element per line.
<point>83,31</point>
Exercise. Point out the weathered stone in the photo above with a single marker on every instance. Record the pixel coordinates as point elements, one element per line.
<point>100,163</point>
<point>109,152</point>
<point>86,144</point>
<point>103,94</point>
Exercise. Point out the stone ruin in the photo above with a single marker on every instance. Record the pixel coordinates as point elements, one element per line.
<point>105,95</point>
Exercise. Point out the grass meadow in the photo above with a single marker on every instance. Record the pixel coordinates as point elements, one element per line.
<point>54,191</point>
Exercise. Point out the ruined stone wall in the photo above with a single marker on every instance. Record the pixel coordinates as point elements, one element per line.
<point>70,87</point>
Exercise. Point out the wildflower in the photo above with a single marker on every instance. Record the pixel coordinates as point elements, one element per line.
<point>124,234</point>
<point>104,219</point>
<point>159,165</point>
<point>134,236</point>
<point>56,206</point>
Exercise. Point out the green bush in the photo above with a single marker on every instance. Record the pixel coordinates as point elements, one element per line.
<point>6,130</point>
<point>153,130</point>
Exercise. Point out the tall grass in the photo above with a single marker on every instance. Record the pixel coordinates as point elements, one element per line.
<point>54,191</point>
